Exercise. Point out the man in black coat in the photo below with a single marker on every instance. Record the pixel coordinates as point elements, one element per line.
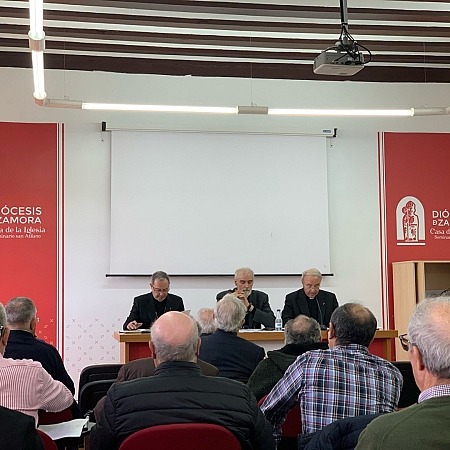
<point>179,393</point>
<point>257,303</point>
<point>234,357</point>
<point>148,307</point>
<point>310,300</point>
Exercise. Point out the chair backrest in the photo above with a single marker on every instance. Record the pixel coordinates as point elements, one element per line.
<point>182,436</point>
<point>91,393</point>
<point>98,372</point>
<point>410,392</point>
<point>292,426</point>
<point>49,418</point>
<point>49,443</point>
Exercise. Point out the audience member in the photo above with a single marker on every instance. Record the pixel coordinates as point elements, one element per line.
<point>422,426</point>
<point>23,343</point>
<point>300,335</point>
<point>257,303</point>
<point>205,318</point>
<point>310,300</point>
<point>25,385</point>
<point>18,431</point>
<point>233,356</point>
<point>344,381</point>
<point>148,307</point>
<point>145,367</point>
<point>179,393</point>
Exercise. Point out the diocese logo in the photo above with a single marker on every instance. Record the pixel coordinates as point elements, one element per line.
<point>410,218</point>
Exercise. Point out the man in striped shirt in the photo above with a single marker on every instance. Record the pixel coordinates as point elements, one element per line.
<point>344,381</point>
<point>25,386</point>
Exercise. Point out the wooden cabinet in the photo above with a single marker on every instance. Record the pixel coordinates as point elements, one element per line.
<point>413,281</point>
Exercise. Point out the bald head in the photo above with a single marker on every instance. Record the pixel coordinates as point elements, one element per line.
<point>353,324</point>
<point>174,337</point>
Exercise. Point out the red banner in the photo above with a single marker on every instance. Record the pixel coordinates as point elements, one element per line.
<point>30,228</point>
<point>415,200</point>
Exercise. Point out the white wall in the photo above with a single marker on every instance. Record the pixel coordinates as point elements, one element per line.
<point>95,306</point>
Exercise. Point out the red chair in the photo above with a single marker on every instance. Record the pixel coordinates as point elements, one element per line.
<point>49,443</point>
<point>292,426</point>
<point>182,436</point>
<point>49,418</point>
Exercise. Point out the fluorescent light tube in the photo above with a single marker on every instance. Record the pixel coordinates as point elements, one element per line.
<point>160,108</point>
<point>36,19</point>
<point>340,112</point>
<point>38,75</point>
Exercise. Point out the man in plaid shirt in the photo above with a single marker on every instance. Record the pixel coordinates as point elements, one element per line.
<point>343,381</point>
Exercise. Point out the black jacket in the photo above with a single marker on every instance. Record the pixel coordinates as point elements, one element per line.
<point>270,370</point>
<point>18,431</point>
<point>233,356</point>
<point>143,309</point>
<point>262,314</point>
<point>179,393</point>
<point>297,303</point>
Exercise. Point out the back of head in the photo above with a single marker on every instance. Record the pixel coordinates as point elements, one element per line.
<point>302,330</point>
<point>174,337</point>
<point>205,318</point>
<point>20,311</point>
<point>230,312</point>
<point>3,322</point>
<point>353,324</point>
<point>312,272</point>
<point>429,330</point>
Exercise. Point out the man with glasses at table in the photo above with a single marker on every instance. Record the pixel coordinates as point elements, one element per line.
<point>423,426</point>
<point>310,301</point>
<point>148,307</point>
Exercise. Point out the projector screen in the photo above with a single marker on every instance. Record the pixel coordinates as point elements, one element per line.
<point>208,203</point>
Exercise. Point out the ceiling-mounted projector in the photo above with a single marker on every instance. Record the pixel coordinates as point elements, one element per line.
<point>338,62</point>
<point>344,58</point>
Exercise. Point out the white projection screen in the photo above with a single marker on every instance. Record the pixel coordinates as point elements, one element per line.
<point>195,203</point>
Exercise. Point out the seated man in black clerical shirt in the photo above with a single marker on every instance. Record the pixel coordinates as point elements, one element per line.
<point>148,307</point>
<point>310,300</point>
<point>257,303</point>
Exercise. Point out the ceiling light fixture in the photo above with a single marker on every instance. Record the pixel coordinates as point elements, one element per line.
<point>37,45</point>
<point>36,39</point>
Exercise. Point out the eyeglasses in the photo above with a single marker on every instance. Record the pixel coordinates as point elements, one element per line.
<point>404,341</point>
<point>159,291</point>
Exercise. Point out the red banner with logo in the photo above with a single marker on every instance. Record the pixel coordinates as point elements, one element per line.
<point>415,200</point>
<point>31,220</point>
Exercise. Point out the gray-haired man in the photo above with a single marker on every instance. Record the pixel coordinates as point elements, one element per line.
<point>423,426</point>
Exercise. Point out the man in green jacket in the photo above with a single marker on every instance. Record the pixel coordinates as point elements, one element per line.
<point>423,426</point>
<point>301,334</point>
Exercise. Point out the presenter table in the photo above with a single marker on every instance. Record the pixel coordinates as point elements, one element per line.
<point>135,345</point>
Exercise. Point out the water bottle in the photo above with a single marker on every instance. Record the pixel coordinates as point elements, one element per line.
<point>278,321</point>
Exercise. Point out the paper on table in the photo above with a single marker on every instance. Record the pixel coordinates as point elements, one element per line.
<point>137,331</point>
<point>72,428</point>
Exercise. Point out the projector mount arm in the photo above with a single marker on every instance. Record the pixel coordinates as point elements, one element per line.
<point>346,41</point>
